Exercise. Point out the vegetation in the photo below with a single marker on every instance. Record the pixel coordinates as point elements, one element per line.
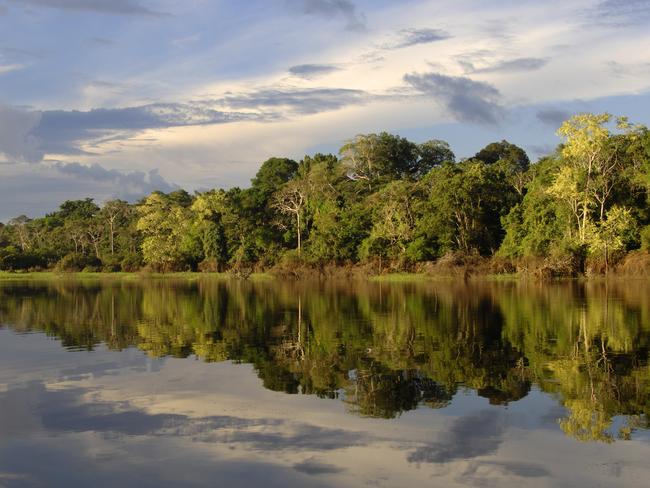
<point>385,203</point>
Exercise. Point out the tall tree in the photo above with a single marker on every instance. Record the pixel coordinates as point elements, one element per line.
<point>291,199</point>
<point>115,214</point>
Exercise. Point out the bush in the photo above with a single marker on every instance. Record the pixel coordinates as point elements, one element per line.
<point>636,263</point>
<point>12,258</point>
<point>209,266</point>
<point>75,262</point>
<point>131,262</point>
<point>645,238</point>
<point>111,264</point>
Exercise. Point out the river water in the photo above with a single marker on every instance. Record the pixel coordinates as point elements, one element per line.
<point>238,384</point>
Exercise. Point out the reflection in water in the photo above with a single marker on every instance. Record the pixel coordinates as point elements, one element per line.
<point>382,349</point>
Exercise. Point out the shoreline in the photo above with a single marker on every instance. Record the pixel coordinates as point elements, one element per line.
<point>401,277</point>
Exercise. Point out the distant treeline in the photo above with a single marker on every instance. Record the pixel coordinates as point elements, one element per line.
<point>384,201</point>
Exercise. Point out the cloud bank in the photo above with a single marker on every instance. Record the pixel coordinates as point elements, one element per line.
<point>120,7</point>
<point>331,9</point>
<point>465,99</point>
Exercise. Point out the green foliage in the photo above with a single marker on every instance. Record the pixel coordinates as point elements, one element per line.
<point>169,243</point>
<point>75,262</point>
<point>12,258</point>
<point>394,221</point>
<point>386,198</point>
<point>645,238</point>
<point>466,203</point>
<point>271,176</point>
<point>533,226</point>
<point>504,151</point>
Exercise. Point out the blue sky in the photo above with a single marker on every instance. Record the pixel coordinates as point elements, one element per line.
<point>116,98</point>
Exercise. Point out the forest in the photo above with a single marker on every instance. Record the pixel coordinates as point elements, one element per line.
<point>382,204</point>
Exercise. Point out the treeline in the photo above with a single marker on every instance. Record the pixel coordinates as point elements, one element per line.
<point>383,202</point>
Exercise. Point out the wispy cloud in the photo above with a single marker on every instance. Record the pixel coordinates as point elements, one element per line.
<point>120,7</point>
<point>27,136</point>
<point>130,184</point>
<point>414,37</point>
<point>621,13</point>
<point>63,132</point>
<point>311,71</point>
<point>297,101</point>
<point>35,189</point>
<point>331,9</point>
<point>506,66</point>
<point>628,69</point>
<point>465,99</point>
<point>7,68</point>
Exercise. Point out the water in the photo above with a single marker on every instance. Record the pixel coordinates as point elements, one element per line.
<point>216,383</point>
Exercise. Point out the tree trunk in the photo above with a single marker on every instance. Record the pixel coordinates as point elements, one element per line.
<point>299,240</point>
<point>112,236</point>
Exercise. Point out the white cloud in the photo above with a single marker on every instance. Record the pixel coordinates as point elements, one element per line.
<point>8,68</point>
<point>256,91</point>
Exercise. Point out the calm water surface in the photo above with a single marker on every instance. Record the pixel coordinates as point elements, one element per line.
<point>234,384</point>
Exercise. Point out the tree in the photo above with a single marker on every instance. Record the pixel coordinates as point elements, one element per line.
<point>504,151</point>
<point>380,158</point>
<point>593,164</point>
<point>95,230</point>
<point>208,210</point>
<point>614,234</point>
<point>540,220</point>
<point>432,154</point>
<point>394,221</point>
<point>510,159</point>
<point>273,173</point>
<point>77,217</point>
<point>168,243</point>
<point>466,203</point>
<point>21,226</point>
<point>291,200</point>
<point>114,213</point>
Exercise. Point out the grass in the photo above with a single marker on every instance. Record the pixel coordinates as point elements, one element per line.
<point>401,277</point>
<point>56,276</point>
<point>424,277</point>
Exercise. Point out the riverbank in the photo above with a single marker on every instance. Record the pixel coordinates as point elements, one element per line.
<point>85,275</point>
<point>401,277</point>
<point>451,267</point>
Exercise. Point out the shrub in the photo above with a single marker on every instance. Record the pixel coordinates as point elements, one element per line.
<point>75,262</point>
<point>636,263</point>
<point>209,266</point>
<point>131,262</point>
<point>645,238</point>
<point>12,258</point>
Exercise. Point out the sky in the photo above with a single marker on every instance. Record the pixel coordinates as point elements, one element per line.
<point>117,98</point>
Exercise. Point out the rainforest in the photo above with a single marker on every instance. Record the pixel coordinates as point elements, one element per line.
<point>383,204</point>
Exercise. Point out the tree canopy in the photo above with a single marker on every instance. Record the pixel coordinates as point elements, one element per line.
<point>383,199</point>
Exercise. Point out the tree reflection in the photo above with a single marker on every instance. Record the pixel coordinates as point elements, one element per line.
<point>382,349</point>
